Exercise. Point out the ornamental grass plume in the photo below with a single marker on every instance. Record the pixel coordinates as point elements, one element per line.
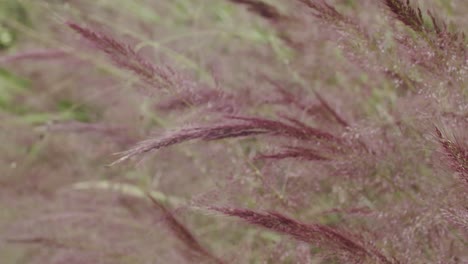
<point>456,153</point>
<point>236,126</point>
<point>338,241</point>
<point>407,14</point>
<point>127,58</point>
<point>438,34</point>
<point>197,252</point>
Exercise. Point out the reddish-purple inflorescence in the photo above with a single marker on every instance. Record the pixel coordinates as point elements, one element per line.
<point>456,154</point>
<point>184,235</point>
<point>126,57</point>
<point>310,233</point>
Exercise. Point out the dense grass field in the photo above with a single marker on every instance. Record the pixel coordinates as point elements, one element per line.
<point>233,131</point>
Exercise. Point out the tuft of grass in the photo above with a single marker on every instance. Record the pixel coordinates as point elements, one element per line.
<point>335,134</point>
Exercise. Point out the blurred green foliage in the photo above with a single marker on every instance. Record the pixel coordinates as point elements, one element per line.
<point>11,10</point>
<point>10,86</point>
